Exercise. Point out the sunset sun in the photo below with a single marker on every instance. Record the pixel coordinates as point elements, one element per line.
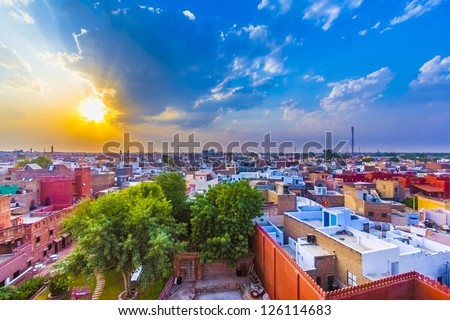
<point>93,109</point>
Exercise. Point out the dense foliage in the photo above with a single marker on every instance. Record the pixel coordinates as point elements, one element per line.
<point>173,186</point>
<point>59,285</point>
<point>44,162</point>
<point>124,230</point>
<point>222,221</point>
<point>24,291</point>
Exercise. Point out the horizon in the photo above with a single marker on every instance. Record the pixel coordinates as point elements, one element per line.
<point>77,75</point>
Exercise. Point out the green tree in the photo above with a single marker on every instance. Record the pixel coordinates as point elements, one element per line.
<point>173,186</point>
<point>394,159</point>
<point>124,230</point>
<point>59,285</point>
<point>222,221</point>
<point>43,161</point>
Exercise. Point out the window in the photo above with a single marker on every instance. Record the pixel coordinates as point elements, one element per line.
<point>371,214</point>
<point>384,215</point>
<point>50,232</point>
<point>319,281</point>
<point>351,279</point>
<point>38,239</point>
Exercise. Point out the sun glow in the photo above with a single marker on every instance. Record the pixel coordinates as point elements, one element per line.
<point>93,109</point>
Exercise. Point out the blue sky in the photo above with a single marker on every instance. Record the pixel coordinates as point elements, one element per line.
<point>226,70</point>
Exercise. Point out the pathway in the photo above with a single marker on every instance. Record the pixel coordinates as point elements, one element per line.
<point>99,286</point>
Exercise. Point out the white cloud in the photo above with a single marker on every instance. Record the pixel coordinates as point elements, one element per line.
<point>169,114</point>
<point>434,71</point>
<point>291,112</point>
<point>10,59</point>
<point>325,12</point>
<point>363,32</point>
<point>376,25</point>
<point>155,10</point>
<point>283,6</point>
<point>273,65</point>
<point>119,11</point>
<point>16,73</point>
<point>414,9</point>
<point>385,29</point>
<point>350,94</point>
<point>14,3</point>
<point>189,15</point>
<point>257,33</point>
<point>21,16</point>
<point>315,78</point>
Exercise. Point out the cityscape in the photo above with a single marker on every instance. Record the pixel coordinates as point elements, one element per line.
<point>265,150</point>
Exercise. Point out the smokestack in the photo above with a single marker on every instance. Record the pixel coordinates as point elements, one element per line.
<point>353,141</point>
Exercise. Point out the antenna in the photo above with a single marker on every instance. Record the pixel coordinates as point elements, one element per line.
<point>353,141</point>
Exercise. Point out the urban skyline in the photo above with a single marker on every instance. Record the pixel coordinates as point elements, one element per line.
<point>79,74</point>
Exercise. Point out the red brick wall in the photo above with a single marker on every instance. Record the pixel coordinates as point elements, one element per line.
<point>5,212</point>
<point>59,190</point>
<point>17,262</point>
<point>83,183</point>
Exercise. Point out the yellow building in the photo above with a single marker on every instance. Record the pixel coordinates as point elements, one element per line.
<point>432,203</point>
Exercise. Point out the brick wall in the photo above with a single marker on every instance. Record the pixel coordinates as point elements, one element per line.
<point>102,181</point>
<point>17,263</point>
<point>5,212</point>
<point>347,259</point>
<point>333,201</point>
<point>285,202</point>
<point>58,190</point>
<point>381,211</point>
<point>325,267</point>
<point>83,183</point>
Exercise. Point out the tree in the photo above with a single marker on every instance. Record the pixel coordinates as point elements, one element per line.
<point>173,186</point>
<point>42,161</point>
<point>394,159</point>
<point>222,221</point>
<point>59,285</point>
<point>122,231</point>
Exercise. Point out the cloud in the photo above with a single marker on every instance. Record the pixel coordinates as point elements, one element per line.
<point>14,3</point>
<point>189,15</point>
<point>325,12</point>
<point>16,73</point>
<point>363,32</point>
<point>434,71</point>
<point>282,6</point>
<point>414,9</point>
<point>169,115</point>
<point>10,59</point>
<point>351,94</point>
<point>314,78</point>
<point>291,112</point>
<point>376,25</point>
<point>257,33</point>
<point>21,16</point>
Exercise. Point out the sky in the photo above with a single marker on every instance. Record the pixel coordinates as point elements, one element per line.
<point>78,74</point>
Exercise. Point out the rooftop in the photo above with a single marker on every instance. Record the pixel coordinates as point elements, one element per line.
<point>351,241</point>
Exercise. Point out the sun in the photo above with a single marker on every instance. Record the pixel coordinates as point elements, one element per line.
<point>93,109</point>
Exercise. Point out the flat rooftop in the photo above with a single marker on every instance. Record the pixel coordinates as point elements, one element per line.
<point>315,250</point>
<point>350,241</point>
